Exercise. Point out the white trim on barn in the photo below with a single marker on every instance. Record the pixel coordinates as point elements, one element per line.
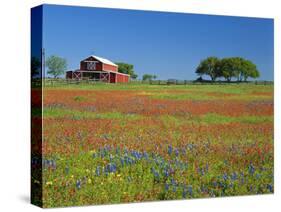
<point>103,60</point>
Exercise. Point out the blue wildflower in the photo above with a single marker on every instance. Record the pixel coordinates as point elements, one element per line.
<point>251,169</point>
<point>78,184</point>
<point>176,152</point>
<point>170,150</point>
<point>98,171</point>
<point>270,188</point>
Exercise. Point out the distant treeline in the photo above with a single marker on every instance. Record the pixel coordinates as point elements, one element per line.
<point>228,68</point>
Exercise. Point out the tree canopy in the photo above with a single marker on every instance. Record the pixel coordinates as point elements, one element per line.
<point>148,77</point>
<point>126,68</point>
<point>228,68</point>
<point>209,67</point>
<point>56,65</point>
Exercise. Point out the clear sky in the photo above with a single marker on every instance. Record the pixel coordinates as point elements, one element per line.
<point>169,45</point>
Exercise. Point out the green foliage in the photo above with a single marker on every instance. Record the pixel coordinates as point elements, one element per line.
<point>209,67</point>
<point>249,69</point>
<point>126,68</point>
<point>56,65</point>
<point>148,77</point>
<point>228,68</point>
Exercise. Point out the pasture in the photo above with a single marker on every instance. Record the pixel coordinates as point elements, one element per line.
<point>110,143</point>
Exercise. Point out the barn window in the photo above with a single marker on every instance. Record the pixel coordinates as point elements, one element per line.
<point>91,65</point>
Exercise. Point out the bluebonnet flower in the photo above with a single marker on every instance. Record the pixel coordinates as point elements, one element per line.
<point>170,150</point>
<point>111,167</point>
<point>270,188</point>
<point>233,176</point>
<point>98,171</point>
<point>251,169</point>
<point>102,154</point>
<point>225,176</point>
<point>78,184</point>
<point>110,157</point>
<point>176,152</point>
<point>145,155</point>
<point>166,173</point>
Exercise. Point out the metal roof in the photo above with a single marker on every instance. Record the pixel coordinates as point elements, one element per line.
<point>103,60</point>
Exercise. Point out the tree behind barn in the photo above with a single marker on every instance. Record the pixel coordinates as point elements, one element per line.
<point>126,68</point>
<point>56,65</point>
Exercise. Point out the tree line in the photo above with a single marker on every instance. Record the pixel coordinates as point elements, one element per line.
<point>215,68</point>
<point>228,68</point>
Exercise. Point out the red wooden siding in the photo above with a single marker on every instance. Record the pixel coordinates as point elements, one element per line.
<point>107,67</point>
<point>122,78</point>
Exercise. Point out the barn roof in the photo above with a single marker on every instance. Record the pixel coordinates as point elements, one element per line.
<point>103,60</point>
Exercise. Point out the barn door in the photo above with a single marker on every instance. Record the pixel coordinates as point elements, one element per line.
<point>76,75</point>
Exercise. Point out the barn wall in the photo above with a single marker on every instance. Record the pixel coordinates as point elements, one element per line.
<point>107,67</point>
<point>83,65</point>
<point>112,77</point>
<point>122,78</point>
<point>68,75</point>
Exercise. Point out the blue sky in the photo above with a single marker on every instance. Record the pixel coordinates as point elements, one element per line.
<point>169,45</point>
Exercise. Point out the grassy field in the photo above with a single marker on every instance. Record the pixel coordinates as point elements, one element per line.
<point>129,143</point>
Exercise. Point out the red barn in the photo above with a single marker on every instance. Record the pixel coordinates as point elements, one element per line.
<point>99,69</point>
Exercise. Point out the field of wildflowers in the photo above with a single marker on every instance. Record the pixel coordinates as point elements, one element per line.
<point>128,143</point>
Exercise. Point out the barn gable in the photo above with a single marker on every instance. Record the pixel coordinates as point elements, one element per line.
<point>100,59</point>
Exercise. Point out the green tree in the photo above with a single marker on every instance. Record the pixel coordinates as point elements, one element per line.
<point>148,77</point>
<point>56,65</point>
<point>126,68</point>
<point>238,67</point>
<point>35,66</point>
<point>229,68</point>
<point>249,69</point>
<point>210,67</point>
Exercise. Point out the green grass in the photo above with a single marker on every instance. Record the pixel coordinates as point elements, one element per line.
<point>224,88</point>
<point>212,118</point>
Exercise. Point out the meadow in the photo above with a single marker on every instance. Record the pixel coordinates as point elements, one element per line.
<point>110,143</point>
